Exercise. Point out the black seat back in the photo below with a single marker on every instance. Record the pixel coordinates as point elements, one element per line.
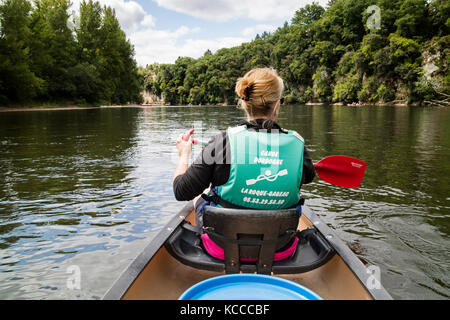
<point>250,234</point>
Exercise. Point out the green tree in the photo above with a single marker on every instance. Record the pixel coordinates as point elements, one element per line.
<point>439,17</point>
<point>412,20</point>
<point>322,84</point>
<point>308,14</point>
<point>104,50</point>
<point>346,90</point>
<point>385,94</point>
<point>327,55</point>
<point>52,47</point>
<point>88,34</point>
<point>86,80</point>
<point>17,81</point>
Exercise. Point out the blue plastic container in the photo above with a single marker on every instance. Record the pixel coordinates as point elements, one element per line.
<point>248,287</point>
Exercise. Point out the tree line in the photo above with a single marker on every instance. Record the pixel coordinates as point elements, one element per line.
<point>343,53</point>
<point>48,54</point>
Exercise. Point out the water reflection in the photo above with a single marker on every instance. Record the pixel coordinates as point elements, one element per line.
<point>92,187</point>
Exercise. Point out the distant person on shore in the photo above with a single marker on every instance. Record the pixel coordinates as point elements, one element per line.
<point>256,165</point>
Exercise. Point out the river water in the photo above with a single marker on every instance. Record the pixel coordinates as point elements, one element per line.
<point>82,192</point>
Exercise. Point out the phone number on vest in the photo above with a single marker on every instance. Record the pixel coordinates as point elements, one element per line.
<point>263,201</point>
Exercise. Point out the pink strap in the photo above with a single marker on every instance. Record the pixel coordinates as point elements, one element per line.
<point>217,252</point>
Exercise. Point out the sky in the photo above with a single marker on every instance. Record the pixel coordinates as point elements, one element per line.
<point>163,30</point>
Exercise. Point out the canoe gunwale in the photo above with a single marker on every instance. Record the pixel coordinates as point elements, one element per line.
<point>350,259</point>
<point>132,272</point>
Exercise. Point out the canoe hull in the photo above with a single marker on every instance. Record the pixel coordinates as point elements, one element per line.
<point>156,275</point>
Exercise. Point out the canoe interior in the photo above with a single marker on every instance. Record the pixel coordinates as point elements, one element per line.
<point>164,278</point>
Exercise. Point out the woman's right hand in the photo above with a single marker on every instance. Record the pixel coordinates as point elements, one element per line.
<point>184,143</point>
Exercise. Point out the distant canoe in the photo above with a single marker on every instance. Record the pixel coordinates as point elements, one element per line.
<point>146,105</point>
<point>357,105</point>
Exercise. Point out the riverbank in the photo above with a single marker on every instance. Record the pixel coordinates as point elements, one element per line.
<point>76,107</point>
<point>15,109</point>
<point>379,104</point>
<point>55,108</point>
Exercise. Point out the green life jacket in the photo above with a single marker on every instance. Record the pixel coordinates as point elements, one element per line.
<point>266,169</point>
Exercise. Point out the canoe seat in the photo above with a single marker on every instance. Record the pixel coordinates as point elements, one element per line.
<point>250,235</point>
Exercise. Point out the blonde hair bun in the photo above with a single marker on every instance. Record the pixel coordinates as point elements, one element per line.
<point>244,88</point>
<point>259,89</point>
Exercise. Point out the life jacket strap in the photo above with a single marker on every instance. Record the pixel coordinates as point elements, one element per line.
<point>219,201</point>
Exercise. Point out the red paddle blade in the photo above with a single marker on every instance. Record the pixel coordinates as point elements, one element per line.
<point>341,171</point>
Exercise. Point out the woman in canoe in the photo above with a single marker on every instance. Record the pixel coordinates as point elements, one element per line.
<point>256,165</point>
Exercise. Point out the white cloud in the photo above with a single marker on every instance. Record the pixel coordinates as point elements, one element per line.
<point>165,46</point>
<point>131,15</point>
<point>151,45</point>
<point>149,36</point>
<point>149,21</point>
<point>223,10</point>
<point>205,9</point>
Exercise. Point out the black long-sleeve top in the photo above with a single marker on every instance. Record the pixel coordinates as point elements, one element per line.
<point>211,169</point>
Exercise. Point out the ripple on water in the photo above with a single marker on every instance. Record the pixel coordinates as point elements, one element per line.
<point>91,190</point>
